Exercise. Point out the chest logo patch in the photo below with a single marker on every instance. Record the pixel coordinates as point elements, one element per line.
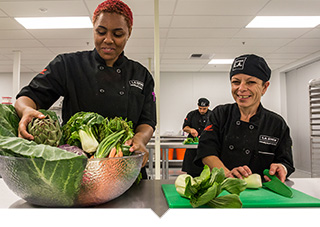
<point>136,83</point>
<point>269,140</point>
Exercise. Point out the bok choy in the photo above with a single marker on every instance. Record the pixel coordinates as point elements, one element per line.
<point>206,188</point>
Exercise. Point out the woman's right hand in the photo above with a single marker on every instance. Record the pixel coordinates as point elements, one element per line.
<point>27,116</point>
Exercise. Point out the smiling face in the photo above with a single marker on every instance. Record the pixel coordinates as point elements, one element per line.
<point>247,90</point>
<point>111,33</point>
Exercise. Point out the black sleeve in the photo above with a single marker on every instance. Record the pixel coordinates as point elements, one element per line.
<point>187,120</point>
<point>283,153</point>
<point>46,87</point>
<point>148,114</point>
<point>210,139</point>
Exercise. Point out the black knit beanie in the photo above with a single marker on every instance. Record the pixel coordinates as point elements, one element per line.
<point>251,65</point>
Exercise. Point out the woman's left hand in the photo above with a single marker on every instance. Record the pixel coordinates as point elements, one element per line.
<point>239,172</point>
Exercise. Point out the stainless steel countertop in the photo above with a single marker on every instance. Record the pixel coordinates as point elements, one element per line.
<point>148,194</point>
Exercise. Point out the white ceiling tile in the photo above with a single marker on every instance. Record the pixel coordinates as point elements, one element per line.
<point>54,8</point>
<point>271,33</point>
<point>62,33</point>
<point>305,43</point>
<point>204,42</point>
<point>60,50</point>
<point>219,7</point>
<point>202,33</point>
<point>67,43</point>
<point>291,8</point>
<point>258,42</point>
<point>314,33</point>
<point>210,21</point>
<point>19,43</point>
<point>148,21</point>
<point>15,34</point>
<point>9,23</point>
<point>147,33</point>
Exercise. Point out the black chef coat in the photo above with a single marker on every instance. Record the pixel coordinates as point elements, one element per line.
<point>265,139</point>
<point>88,84</point>
<point>197,121</point>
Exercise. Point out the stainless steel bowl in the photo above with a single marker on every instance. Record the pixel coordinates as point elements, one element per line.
<point>101,181</point>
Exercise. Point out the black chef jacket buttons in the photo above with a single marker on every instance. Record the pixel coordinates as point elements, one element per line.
<point>238,122</point>
<point>121,93</point>
<point>101,67</point>
<point>102,91</point>
<point>231,147</point>
<point>251,127</point>
<point>118,70</point>
<point>247,151</point>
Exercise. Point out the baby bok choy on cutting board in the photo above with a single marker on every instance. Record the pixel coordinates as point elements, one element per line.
<point>206,188</point>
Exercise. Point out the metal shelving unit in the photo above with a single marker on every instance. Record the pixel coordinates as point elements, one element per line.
<point>314,101</point>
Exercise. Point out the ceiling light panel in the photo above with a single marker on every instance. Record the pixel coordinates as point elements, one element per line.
<point>54,22</point>
<point>284,22</point>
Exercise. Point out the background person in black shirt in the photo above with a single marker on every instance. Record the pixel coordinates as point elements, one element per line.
<point>194,124</point>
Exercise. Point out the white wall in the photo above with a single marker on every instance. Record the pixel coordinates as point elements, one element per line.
<point>6,83</point>
<point>180,92</point>
<point>297,81</point>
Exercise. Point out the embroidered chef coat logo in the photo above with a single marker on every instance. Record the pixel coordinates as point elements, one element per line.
<point>136,83</point>
<point>269,140</point>
<point>239,63</point>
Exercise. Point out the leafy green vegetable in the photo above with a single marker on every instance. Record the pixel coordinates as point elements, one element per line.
<point>234,185</point>
<point>47,173</point>
<point>118,124</point>
<point>46,131</point>
<point>84,130</point>
<point>226,201</point>
<point>190,140</point>
<point>118,131</point>
<point>9,121</point>
<point>108,143</point>
<point>206,188</point>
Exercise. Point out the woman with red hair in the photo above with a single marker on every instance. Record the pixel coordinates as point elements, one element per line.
<point>102,80</point>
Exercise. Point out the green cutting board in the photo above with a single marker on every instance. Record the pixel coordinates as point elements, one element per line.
<point>250,198</point>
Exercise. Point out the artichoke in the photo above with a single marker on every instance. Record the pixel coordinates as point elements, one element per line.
<point>45,131</point>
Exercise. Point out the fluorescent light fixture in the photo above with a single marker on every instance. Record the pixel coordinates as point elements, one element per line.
<point>284,22</point>
<point>54,22</point>
<point>221,62</point>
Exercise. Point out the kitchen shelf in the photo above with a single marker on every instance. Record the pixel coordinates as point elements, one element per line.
<point>314,101</point>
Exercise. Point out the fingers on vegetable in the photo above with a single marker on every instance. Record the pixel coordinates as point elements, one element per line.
<point>113,152</point>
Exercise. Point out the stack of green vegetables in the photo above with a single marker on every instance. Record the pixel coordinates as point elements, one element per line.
<point>98,136</point>
<point>206,188</point>
<point>190,140</point>
<point>86,134</point>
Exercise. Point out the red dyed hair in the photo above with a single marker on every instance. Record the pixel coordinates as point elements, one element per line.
<point>114,6</point>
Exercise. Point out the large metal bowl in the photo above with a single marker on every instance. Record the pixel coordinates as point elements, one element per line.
<point>102,180</point>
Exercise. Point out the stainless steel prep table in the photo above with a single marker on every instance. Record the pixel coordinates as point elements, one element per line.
<point>165,145</point>
<point>148,194</point>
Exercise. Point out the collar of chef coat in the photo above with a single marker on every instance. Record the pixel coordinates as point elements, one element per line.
<point>121,59</point>
<point>254,119</point>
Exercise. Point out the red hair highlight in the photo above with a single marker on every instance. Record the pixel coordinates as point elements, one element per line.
<point>114,6</point>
